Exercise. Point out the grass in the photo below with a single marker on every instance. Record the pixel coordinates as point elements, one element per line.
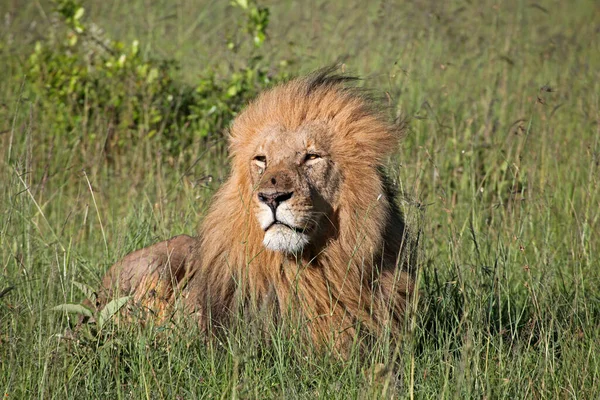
<point>502,157</point>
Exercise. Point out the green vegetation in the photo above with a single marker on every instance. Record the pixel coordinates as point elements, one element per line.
<point>111,138</point>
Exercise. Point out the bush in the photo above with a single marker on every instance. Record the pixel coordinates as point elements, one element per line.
<point>81,75</point>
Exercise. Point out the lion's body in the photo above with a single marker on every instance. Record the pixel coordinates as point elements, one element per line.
<point>342,261</point>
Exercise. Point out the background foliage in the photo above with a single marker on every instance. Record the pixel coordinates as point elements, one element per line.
<point>112,120</point>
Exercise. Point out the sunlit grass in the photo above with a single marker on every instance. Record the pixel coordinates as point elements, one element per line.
<point>502,158</point>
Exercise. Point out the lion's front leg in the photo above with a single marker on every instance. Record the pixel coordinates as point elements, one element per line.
<point>152,275</point>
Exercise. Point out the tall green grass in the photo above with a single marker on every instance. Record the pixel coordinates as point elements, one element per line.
<point>502,160</point>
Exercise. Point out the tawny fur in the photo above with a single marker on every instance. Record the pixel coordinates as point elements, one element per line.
<point>356,273</point>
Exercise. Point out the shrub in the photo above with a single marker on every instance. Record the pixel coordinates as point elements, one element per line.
<point>80,75</point>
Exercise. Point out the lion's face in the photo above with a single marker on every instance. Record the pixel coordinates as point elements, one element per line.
<point>295,185</point>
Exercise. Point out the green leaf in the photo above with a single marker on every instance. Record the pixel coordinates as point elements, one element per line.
<point>111,309</point>
<point>232,91</point>
<point>79,13</point>
<point>135,47</point>
<point>259,38</point>
<point>73,308</point>
<point>89,293</point>
<point>152,75</point>
<point>72,40</point>
<point>242,3</point>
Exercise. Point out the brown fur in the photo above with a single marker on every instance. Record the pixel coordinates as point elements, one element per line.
<point>355,273</point>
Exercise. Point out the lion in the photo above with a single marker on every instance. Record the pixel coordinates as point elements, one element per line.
<point>305,225</point>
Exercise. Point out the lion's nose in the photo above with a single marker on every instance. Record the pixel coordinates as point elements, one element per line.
<point>273,200</point>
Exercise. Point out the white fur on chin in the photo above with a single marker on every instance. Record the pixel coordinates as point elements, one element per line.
<point>284,239</point>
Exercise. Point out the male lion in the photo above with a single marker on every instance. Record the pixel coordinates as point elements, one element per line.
<point>305,226</point>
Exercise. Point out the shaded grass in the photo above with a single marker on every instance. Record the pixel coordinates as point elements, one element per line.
<point>502,158</point>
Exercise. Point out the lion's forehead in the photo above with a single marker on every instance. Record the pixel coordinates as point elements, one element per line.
<point>279,142</point>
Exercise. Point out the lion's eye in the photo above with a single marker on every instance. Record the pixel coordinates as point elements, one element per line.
<point>311,157</point>
<point>261,162</point>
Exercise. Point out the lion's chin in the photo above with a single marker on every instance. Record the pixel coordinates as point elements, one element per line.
<point>283,239</point>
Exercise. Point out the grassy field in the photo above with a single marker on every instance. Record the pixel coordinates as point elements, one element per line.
<point>500,170</point>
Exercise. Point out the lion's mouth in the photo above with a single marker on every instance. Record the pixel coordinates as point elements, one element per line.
<point>293,228</point>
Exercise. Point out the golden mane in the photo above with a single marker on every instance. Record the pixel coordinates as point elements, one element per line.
<point>358,275</point>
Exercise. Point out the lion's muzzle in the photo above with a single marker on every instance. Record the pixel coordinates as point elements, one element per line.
<point>273,200</point>
<point>279,195</point>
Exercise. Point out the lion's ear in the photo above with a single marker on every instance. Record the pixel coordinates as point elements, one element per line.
<point>232,141</point>
<point>380,140</point>
<point>238,136</point>
<point>248,123</point>
<point>367,135</point>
